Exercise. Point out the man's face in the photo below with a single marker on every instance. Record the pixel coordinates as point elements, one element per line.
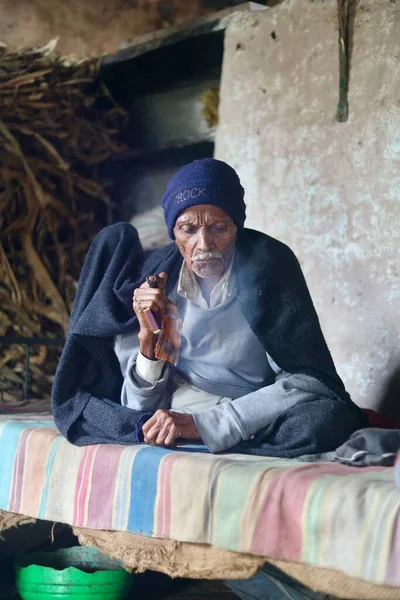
<point>206,236</point>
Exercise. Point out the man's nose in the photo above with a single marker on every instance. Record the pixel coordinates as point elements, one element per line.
<point>205,240</point>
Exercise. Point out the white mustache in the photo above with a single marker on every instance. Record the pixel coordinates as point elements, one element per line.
<point>206,256</point>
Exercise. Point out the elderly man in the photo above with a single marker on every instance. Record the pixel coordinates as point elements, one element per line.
<point>254,370</point>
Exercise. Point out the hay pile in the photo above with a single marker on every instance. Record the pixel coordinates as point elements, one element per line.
<point>58,123</point>
<point>210,102</point>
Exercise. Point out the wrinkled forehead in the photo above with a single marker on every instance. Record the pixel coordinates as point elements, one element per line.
<point>204,212</point>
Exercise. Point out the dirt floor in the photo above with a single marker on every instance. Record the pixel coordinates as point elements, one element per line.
<point>154,585</point>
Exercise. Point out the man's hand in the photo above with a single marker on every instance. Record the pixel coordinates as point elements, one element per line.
<point>166,426</point>
<point>154,299</point>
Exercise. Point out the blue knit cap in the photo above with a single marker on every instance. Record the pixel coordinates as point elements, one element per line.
<point>205,181</point>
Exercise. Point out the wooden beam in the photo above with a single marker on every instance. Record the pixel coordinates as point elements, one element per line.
<point>151,41</point>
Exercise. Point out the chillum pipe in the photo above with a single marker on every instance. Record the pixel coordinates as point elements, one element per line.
<point>153,281</point>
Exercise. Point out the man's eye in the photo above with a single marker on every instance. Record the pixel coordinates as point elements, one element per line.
<point>187,229</point>
<point>220,228</point>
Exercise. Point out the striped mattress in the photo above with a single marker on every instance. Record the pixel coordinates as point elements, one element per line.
<point>322,514</point>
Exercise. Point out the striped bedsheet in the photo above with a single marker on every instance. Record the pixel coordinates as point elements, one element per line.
<point>323,514</point>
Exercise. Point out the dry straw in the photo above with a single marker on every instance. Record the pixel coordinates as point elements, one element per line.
<point>58,123</point>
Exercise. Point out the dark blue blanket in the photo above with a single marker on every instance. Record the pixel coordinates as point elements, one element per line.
<point>274,299</point>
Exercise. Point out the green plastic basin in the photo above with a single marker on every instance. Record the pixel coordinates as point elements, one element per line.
<point>79,573</point>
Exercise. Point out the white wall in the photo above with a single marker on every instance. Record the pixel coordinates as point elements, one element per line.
<point>330,190</point>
